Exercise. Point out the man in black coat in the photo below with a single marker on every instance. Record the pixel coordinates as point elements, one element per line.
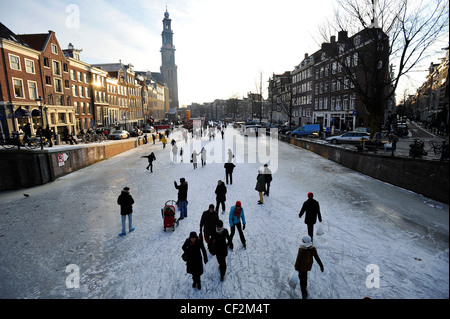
<point>312,209</point>
<point>220,240</point>
<point>182,197</point>
<point>208,222</point>
<point>150,158</point>
<point>126,201</point>
<point>229,167</point>
<point>221,191</point>
<point>267,179</point>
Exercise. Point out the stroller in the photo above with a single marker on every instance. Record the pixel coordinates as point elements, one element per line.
<point>168,215</point>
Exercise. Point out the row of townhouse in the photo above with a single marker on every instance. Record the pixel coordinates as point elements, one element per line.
<point>42,84</point>
<point>250,107</point>
<point>430,103</point>
<point>325,87</point>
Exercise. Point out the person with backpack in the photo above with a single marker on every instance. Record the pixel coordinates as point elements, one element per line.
<point>312,209</point>
<point>306,253</point>
<point>236,214</point>
<point>126,201</point>
<point>193,249</point>
<point>208,222</point>
<point>220,240</point>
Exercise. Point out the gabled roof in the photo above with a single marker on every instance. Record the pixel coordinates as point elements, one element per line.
<point>7,34</point>
<point>35,41</point>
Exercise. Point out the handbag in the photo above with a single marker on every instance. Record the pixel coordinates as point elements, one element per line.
<point>319,231</point>
<point>293,279</point>
<point>184,256</point>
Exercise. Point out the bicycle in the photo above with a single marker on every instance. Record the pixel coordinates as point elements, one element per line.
<point>9,142</point>
<point>435,147</point>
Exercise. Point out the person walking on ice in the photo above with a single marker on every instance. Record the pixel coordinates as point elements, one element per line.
<point>304,263</point>
<point>193,249</point>
<point>126,201</point>
<point>219,242</point>
<point>312,209</point>
<point>236,214</point>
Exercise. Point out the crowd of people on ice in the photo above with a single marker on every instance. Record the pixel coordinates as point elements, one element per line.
<point>212,231</point>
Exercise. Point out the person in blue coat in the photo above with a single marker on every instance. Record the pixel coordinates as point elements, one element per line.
<point>236,214</point>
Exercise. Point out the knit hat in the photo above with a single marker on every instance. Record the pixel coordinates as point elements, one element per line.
<point>306,241</point>
<point>126,189</point>
<point>238,203</point>
<point>193,234</point>
<point>219,224</point>
<point>310,195</point>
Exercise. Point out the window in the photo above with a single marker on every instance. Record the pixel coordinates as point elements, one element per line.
<point>66,84</point>
<point>334,68</point>
<point>18,88</point>
<point>46,62</point>
<point>355,59</point>
<point>81,91</point>
<point>72,75</point>
<point>62,117</point>
<point>77,111</point>
<point>32,90</point>
<point>357,40</point>
<point>29,66</point>
<point>58,86</point>
<point>48,80</point>
<point>74,90</point>
<point>59,99</point>
<point>65,67</point>
<point>54,49</point>
<point>80,79</point>
<point>14,62</point>
<point>85,78</point>
<point>56,68</point>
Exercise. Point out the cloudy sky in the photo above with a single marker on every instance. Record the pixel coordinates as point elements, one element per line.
<point>222,47</point>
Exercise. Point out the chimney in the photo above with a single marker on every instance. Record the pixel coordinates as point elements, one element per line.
<point>333,39</point>
<point>306,56</point>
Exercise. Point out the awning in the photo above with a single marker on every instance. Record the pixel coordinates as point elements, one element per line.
<point>21,113</point>
<point>36,112</point>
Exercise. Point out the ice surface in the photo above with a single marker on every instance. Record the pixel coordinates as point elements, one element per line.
<point>75,221</point>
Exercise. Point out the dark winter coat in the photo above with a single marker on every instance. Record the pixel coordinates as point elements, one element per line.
<point>221,190</point>
<point>182,190</point>
<point>219,241</point>
<point>305,260</point>
<point>126,201</point>
<point>260,185</point>
<point>229,167</point>
<point>151,157</point>
<point>209,221</point>
<point>194,264</point>
<point>312,209</point>
<point>267,175</point>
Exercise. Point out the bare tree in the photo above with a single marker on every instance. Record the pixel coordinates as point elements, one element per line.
<point>402,34</point>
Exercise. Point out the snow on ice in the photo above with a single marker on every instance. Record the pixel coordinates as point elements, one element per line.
<point>379,241</point>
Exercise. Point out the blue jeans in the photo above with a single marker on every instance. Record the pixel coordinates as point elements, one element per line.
<point>182,205</point>
<point>130,219</point>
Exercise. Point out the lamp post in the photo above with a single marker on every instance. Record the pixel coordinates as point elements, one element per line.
<point>39,103</point>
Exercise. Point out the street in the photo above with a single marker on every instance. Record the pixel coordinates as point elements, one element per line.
<point>62,241</point>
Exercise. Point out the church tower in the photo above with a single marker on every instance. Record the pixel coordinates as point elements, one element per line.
<point>168,66</point>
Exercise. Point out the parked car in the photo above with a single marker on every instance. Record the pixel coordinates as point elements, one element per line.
<point>306,130</point>
<point>118,135</point>
<point>349,137</point>
<point>135,132</point>
<point>148,129</point>
<point>402,129</point>
<point>362,129</point>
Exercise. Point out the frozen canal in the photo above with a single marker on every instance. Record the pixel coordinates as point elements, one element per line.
<point>380,241</point>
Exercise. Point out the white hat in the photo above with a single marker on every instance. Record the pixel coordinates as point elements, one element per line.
<point>306,241</point>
